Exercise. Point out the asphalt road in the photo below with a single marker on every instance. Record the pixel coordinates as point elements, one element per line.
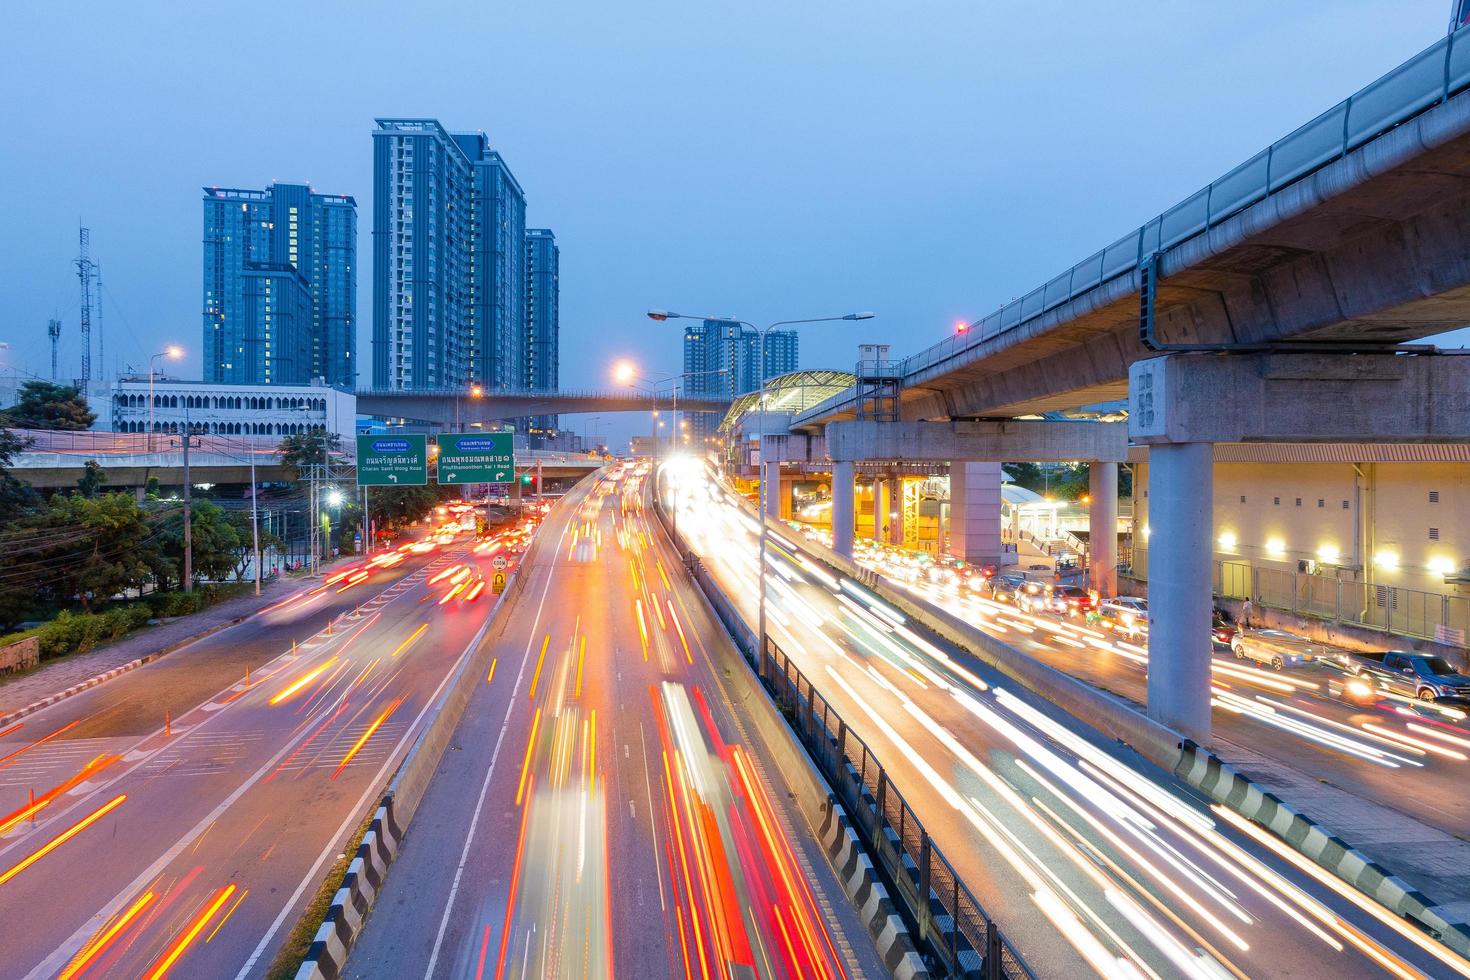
<point>1092,861</point>
<point>183,817</point>
<point>601,811</point>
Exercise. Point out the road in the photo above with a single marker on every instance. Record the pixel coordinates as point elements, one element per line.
<point>183,816</point>
<point>1393,751</point>
<point>602,811</point>
<point>1092,861</point>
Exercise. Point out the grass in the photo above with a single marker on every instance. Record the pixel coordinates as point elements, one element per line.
<point>288,959</point>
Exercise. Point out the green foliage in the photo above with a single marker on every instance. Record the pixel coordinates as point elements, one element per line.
<point>92,479</point>
<point>395,507</point>
<point>101,546</point>
<point>152,490</point>
<point>311,448</point>
<point>216,546</point>
<point>15,497</point>
<point>43,405</point>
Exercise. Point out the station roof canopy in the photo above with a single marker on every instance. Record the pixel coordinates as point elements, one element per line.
<point>792,392</point>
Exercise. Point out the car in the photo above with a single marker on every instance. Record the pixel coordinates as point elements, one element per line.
<point>1416,675</point>
<point>1222,627</point>
<point>1004,586</point>
<point>1076,600</point>
<point>1034,597</point>
<point>1277,648</point>
<point>1126,613</point>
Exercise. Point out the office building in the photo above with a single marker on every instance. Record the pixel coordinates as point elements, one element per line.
<point>449,255</point>
<point>712,346</point>
<point>543,329</point>
<point>236,410</point>
<point>280,286</point>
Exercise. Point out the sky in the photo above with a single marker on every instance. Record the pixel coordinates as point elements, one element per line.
<point>766,160</point>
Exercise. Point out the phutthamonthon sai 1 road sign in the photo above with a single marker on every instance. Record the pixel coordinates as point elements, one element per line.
<point>479,457</point>
<point>392,461</point>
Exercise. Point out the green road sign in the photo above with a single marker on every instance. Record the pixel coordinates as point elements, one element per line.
<point>479,457</point>
<point>392,461</point>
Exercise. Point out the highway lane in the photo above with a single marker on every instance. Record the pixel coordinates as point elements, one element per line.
<point>1395,751</point>
<point>601,811</point>
<point>192,848</point>
<point>1092,860</point>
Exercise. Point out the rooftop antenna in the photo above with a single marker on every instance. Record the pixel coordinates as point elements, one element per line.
<point>101,357</point>
<point>53,330</point>
<point>84,273</point>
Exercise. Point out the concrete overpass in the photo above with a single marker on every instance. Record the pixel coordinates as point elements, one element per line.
<point>457,405</point>
<point>1352,232</point>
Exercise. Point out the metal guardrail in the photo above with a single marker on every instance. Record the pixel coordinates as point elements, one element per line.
<point>951,921</point>
<point>1434,616</point>
<point>1426,80</point>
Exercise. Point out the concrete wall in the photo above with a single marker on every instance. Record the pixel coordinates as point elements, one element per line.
<point>1386,510</point>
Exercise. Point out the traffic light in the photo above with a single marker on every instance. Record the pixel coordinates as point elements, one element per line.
<point>525,479</point>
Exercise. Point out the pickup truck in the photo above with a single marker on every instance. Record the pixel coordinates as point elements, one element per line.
<point>1416,675</point>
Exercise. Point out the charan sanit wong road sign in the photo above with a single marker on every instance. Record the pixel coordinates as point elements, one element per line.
<point>392,461</point>
<point>487,457</point>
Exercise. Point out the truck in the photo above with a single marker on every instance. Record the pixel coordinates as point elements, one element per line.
<point>1416,675</point>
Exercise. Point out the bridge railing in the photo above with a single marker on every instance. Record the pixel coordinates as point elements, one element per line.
<point>1429,78</point>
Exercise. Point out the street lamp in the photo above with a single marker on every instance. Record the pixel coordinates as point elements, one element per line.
<point>662,315</point>
<point>173,352</point>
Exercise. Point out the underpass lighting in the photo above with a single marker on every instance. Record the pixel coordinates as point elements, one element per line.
<point>1275,547</point>
<point>1329,555</point>
<point>1440,565</point>
<point>1228,540</point>
<point>1386,559</point>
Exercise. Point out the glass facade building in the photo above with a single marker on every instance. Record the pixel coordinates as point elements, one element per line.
<point>449,260</point>
<point>543,327</point>
<point>725,345</point>
<point>280,286</point>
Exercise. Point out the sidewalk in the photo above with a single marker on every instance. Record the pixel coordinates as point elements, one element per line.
<point>19,690</point>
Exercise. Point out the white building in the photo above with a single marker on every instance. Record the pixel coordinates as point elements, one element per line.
<point>215,409</point>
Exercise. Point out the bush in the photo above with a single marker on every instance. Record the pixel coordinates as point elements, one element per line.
<point>73,632</point>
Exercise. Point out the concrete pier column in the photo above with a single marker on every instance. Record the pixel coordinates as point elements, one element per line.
<point>895,511</point>
<point>882,504</point>
<point>771,485</point>
<point>974,512</point>
<point>843,506</point>
<point>1181,499</point>
<point>786,496</point>
<point>1102,528</point>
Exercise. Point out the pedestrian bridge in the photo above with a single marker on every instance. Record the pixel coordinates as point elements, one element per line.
<point>458,405</point>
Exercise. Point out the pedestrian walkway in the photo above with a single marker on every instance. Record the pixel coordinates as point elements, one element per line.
<point>19,690</point>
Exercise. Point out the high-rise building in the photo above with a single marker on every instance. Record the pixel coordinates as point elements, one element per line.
<point>543,327</point>
<point>449,279</point>
<point>280,286</point>
<point>712,346</point>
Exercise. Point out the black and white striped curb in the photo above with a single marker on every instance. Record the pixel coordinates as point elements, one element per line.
<point>1205,771</point>
<point>860,880</point>
<point>360,885</point>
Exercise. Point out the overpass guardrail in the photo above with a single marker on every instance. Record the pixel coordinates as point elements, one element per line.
<point>951,920</point>
<point>1428,79</point>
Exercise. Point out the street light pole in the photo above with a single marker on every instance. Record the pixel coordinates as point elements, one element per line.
<point>760,461</point>
<point>173,353</point>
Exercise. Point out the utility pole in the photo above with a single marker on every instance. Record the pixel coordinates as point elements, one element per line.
<point>188,516</point>
<point>254,519</point>
<point>84,273</point>
<point>101,354</point>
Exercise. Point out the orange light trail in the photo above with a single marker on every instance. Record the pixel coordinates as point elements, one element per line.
<point>581,655</point>
<point>444,574</point>
<point>642,627</point>
<point>515,879</point>
<point>161,967</point>
<point>7,759</point>
<point>454,591</point>
<point>305,679</point>
<point>99,944</point>
<point>491,676</point>
<point>526,764</point>
<point>539,660</point>
<point>404,645</point>
<point>475,590</point>
<point>41,802</point>
<point>16,727</point>
<point>65,836</point>
<point>677,626</point>
<point>357,746</point>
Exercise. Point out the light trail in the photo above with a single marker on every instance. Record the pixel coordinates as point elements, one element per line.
<point>405,644</point>
<point>99,944</point>
<point>176,950</point>
<point>362,740</point>
<point>65,836</point>
<point>302,681</point>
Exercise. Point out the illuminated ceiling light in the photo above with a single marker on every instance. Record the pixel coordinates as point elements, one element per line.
<point>1386,559</point>
<point>1275,546</point>
<point>1228,540</point>
<point>1328,554</point>
<point>1440,565</point>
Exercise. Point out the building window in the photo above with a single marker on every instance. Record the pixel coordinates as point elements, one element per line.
<point>1344,505</point>
<point>1298,501</point>
<point>1321,502</point>
<point>1434,496</point>
<point>1242,498</point>
<point>1277,501</point>
<point>1434,534</point>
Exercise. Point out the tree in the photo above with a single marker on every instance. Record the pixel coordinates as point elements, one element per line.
<point>91,480</point>
<point>15,497</point>
<point>99,546</point>
<point>394,507</point>
<point>43,405</point>
<point>216,544</point>
<point>310,448</point>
